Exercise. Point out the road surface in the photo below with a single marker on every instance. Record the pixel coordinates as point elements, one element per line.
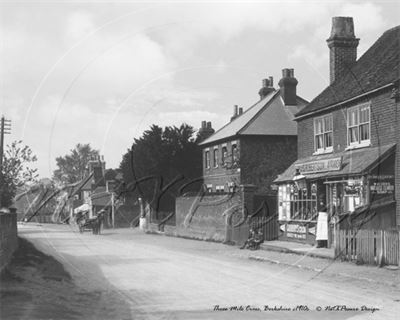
<point>158,277</point>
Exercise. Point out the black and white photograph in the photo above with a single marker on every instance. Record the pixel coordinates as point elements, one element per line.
<point>190,160</point>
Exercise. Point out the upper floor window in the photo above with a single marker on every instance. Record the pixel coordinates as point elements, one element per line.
<point>215,156</point>
<point>323,133</point>
<point>235,155</point>
<point>358,125</point>
<point>224,155</point>
<point>207,159</point>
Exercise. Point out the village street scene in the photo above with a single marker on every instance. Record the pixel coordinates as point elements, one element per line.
<point>187,160</point>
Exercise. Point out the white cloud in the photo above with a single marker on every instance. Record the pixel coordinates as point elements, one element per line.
<point>78,25</point>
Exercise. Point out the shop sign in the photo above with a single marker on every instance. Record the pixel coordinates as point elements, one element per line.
<point>333,164</point>
<point>296,231</point>
<point>381,184</point>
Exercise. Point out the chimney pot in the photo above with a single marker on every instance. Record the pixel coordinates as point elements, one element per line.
<point>209,125</point>
<point>342,27</point>
<point>203,124</point>
<point>240,111</point>
<point>235,110</point>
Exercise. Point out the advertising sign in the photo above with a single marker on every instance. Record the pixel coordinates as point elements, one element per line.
<point>333,164</point>
<point>296,231</point>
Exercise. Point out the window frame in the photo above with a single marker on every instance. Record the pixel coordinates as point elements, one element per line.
<point>323,133</point>
<point>215,157</point>
<point>358,125</point>
<point>224,154</point>
<point>207,160</point>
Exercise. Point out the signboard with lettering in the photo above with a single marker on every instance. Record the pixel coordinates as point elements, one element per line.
<point>316,166</point>
<point>296,231</point>
<point>381,187</point>
<point>324,165</point>
<point>381,184</point>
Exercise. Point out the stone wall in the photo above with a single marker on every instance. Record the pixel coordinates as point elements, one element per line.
<point>8,237</point>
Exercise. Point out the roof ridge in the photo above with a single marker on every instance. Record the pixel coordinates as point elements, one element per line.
<point>237,118</point>
<point>259,111</point>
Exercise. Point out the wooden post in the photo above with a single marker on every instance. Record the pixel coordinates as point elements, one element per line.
<point>381,257</point>
<point>112,210</point>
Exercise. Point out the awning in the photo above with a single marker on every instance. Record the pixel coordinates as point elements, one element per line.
<point>353,162</point>
<point>84,207</point>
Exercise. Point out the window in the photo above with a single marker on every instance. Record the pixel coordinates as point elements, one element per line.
<point>224,155</point>
<point>234,153</point>
<point>215,158</point>
<point>358,125</point>
<point>207,159</point>
<point>323,134</point>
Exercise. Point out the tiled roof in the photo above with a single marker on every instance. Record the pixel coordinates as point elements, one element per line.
<point>84,184</point>
<point>268,116</point>
<point>355,161</point>
<point>377,67</point>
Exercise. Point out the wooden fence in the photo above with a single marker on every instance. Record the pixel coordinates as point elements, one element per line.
<point>376,247</point>
<point>269,226</point>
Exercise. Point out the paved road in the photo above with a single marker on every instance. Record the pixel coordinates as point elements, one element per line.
<point>170,278</point>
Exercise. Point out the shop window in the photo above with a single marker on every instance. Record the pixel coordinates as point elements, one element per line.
<point>297,203</point>
<point>358,125</point>
<point>215,156</point>
<point>224,155</point>
<point>207,159</point>
<point>209,188</point>
<point>323,134</point>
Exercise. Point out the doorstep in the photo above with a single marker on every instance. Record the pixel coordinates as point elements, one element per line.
<point>298,248</point>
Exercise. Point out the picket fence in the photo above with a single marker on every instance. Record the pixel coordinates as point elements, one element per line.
<point>377,247</point>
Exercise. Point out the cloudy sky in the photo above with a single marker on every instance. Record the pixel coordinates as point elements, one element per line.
<point>101,72</point>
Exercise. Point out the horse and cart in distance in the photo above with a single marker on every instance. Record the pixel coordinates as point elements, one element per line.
<point>85,223</point>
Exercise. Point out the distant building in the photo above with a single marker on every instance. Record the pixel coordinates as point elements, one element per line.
<point>348,142</point>
<point>258,143</point>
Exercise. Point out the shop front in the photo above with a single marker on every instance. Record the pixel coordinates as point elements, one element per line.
<point>319,194</point>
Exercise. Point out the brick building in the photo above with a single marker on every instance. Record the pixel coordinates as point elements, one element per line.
<point>257,143</point>
<point>348,167</point>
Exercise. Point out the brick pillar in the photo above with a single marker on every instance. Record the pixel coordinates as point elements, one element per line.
<point>247,197</point>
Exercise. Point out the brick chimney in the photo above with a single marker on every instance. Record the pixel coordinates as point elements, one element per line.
<point>97,165</point>
<point>205,131</point>
<point>343,47</point>
<point>267,87</point>
<point>288,85</point>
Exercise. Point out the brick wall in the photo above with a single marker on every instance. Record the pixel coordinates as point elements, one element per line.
<point>8,237</point>
<point>262,158</point>
<point>203,218</point>
<point>220,175</point>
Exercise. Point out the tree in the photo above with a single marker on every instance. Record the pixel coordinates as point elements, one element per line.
<point>16,171</point>
<point>160,163</point>
<point>72,167</point>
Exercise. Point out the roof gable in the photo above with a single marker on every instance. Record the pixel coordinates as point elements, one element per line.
<point>268,116</point>
<point>377,67</point>
<point>275,119</point>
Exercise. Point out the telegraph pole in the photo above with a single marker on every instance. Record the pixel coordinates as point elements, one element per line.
<point>5,128</point>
